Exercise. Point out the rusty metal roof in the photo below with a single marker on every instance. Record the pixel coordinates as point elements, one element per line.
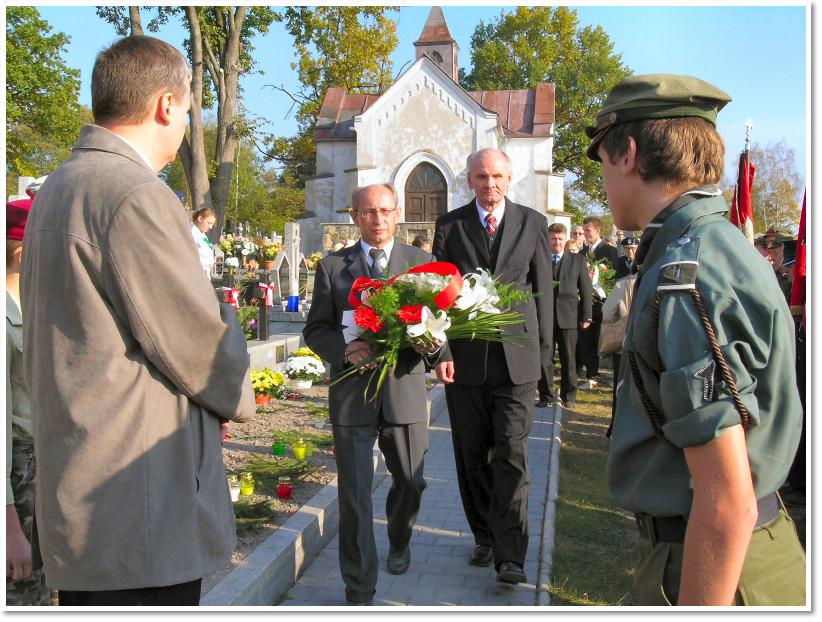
<point>435,29</point>
<point>522,113</point>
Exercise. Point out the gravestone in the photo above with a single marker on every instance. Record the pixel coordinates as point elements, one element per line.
<point>281,278</point>
<point>306,283</point>
<point>292,251</point>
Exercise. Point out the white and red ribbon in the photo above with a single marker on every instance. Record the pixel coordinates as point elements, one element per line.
<point>268,294</point>
<point>232,296</point>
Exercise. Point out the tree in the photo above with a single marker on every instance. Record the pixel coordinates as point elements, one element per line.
<point>43,117</point>
<point>343,46</point>
<point>776,188</point>
<point>256,195</point>
<point>219,49</point>
<point>544,44</point>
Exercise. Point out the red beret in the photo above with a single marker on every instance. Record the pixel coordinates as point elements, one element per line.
<point>17,213</point>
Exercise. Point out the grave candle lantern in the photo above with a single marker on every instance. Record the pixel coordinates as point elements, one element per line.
<point>300,449</point>
<point>234,487</point>
<point>278,448</point>
<point>284,488</point>
<point>246,484</point>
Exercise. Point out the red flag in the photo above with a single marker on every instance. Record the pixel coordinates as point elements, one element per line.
<point>799,268</point>
<point>742,205</point>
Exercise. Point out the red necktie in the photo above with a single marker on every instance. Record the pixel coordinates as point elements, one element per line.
<point>491,224</point>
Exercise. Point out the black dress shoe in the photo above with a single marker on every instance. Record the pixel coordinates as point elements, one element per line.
<point>482,555</point>
<point>399,561</point>
<point>511,572</point>
<point>358,599</point>
<point>545,403</point>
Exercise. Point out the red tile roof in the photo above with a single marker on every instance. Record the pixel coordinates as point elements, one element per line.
<point>522,113</point>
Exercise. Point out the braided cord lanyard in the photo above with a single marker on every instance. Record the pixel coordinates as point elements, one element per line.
<point>656,418</point>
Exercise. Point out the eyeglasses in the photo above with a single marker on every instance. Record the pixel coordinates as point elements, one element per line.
<point>371,213</point>
<point>579,233</point>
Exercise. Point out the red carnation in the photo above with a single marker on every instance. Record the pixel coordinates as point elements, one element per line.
<point>367,318</point>
<point>410,314</point>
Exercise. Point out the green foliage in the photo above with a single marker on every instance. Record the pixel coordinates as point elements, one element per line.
<point>43,117</point>
<point>342,46</point>
<point>289,437</point>
<point>248,315</point>
<point>545,44</point>
<point>776,189</point>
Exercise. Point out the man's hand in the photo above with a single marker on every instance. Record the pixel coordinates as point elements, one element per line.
<point>224,435</point>
<point>445,372</point>
<point>18,549</point>
<point>427,350</point>
<point>357,352</point>
<point>584,325</point>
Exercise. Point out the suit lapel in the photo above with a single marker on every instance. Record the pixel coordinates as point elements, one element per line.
<point>355,262</point>
<point>474,232</point>
<point>511,234</point>
<point>398,261</point>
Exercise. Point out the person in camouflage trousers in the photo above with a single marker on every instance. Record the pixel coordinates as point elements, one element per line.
<point>25,579</point>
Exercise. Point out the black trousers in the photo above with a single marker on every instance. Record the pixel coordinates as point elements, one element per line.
<point>588,350</point>
<point>180,594</point>
<point>490,425</point>
<point>564,340</point>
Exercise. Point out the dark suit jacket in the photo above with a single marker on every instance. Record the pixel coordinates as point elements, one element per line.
<point>622,268</point>
<point>606,251</point>
<point>524,260</point>
<point>573,295</point>
<point>403,394</point>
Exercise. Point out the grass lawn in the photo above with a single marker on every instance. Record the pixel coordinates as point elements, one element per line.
<point>594,538</point>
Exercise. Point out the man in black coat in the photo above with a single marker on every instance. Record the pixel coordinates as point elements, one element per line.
<point>572,309</point>
<point>588,346</point>
<point>489,387</point>
<point>626,263</point>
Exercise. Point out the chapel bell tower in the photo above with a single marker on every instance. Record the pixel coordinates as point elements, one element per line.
<point>437,43</point>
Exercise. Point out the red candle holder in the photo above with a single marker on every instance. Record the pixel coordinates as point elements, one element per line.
<point>284,488</point>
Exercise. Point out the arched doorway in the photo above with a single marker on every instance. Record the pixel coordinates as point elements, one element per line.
<point>425,194</point>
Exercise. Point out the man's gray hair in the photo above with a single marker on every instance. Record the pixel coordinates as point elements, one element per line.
<point>355,196</point>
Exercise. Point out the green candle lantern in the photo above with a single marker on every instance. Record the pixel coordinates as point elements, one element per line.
<point>278,448</point>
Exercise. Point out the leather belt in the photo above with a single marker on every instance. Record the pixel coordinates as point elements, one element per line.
<point>672,528</point>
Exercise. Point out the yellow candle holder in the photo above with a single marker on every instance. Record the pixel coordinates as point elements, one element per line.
<point>300,449</point>
<point>247,484</point>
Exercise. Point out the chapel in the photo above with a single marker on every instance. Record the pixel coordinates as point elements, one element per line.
<point>417,135</point>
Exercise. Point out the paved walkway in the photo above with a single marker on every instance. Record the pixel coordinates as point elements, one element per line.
<point>442,542</point>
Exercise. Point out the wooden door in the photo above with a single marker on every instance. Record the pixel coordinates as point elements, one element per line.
<point>425,194</point>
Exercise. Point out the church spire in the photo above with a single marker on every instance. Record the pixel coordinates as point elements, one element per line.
<point>437,43</point>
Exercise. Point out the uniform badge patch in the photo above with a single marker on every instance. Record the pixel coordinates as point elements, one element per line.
<point>706,375</point>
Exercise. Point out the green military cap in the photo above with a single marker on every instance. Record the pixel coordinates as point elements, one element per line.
<point>655,96</point>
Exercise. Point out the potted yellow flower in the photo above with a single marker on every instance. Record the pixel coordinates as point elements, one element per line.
<point>266,383</point>
<point>269,252</point>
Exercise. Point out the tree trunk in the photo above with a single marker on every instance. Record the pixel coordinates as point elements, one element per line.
<point>192,150</point>
<point>134,18</point>
<point>227,111</point>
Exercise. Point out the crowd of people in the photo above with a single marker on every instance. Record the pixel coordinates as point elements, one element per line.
<point>122,382</point>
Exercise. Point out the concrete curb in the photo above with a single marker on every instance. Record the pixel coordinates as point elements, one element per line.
<point>546,549</point>
<point>266,575</point>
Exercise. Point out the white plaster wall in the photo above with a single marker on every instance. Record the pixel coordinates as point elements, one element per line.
<point>556,196</point>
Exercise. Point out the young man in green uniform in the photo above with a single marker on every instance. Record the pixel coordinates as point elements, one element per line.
<point>708,416</point>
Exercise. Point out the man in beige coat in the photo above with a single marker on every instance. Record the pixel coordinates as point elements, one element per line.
<point>131,361</point>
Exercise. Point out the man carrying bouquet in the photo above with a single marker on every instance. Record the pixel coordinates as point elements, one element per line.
<point>490,386</point>
<point>398,417</point>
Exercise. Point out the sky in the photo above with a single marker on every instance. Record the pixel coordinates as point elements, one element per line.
<point>757,53</point>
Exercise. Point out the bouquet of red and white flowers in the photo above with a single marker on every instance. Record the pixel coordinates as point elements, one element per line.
<point>425,306</point>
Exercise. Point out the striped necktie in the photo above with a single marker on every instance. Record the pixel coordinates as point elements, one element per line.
<point>491,224</point>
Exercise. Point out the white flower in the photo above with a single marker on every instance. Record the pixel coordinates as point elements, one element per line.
<point>479,293</point>
<point>303,368</point>
<point>433,325</point>
<point>232,262</point>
